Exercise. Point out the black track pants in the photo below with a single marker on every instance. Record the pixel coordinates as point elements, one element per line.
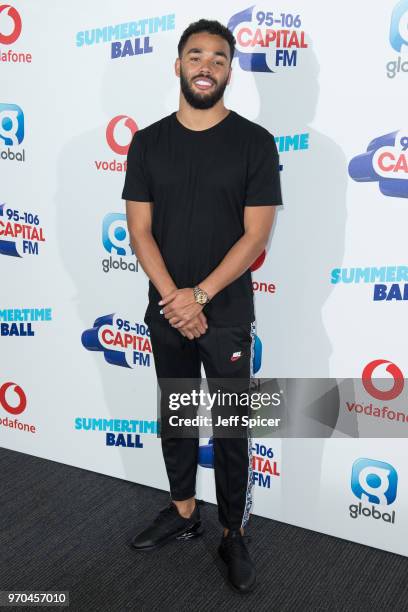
<point>176,356</point>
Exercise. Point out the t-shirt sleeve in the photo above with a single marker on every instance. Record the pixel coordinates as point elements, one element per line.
<point>136,181</point>
<point>263,179</point>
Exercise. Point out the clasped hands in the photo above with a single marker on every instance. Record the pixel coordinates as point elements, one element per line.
<point>184,313</point>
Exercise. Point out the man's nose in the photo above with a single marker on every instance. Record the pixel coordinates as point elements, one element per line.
<point>206,66</point>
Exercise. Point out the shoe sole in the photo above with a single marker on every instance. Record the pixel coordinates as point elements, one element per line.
<point>231,586</point>
<point>194,532</point>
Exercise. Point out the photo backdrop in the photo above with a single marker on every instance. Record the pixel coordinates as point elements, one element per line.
<point>77,381</point>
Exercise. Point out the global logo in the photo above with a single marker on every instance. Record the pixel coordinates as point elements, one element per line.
<point>119,133</point>
<point>12,408</point>
<point>115,234</point>
<point>115,240</point>
<point>374,481</point>
<point>12,24</point>
<point>399,26</point>
<point>398,39</point>
<point>397,376</point>
<point>278,33</point>
<point>385,162</point>
<point>11,124</point>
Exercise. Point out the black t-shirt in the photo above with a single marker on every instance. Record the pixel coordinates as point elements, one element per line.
<point>199,183</point>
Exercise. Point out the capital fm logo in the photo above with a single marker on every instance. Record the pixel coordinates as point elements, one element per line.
<point>372,388</point>
<point>373,482</point>
<point>399,39</point>
<point>267,41</point>
<point>384,162</point>
<point>11,24</point>
<point>123,342</point>
<point>116,242</point>
<point>21,232</point>
<point>119,133</point>
<point>263,468</point>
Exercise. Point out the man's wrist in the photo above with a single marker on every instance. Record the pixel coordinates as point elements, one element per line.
<point>201,297</point>
<point>167,291</point>
<point>210,291</point>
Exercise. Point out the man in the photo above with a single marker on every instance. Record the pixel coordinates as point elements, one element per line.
<point>201,189</point>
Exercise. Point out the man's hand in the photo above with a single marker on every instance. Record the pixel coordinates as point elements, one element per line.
<point>180,307</point>
<point>195,327</point>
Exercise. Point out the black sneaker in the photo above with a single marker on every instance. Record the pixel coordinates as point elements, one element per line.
<point>168,525</point>
<point>241,570</point>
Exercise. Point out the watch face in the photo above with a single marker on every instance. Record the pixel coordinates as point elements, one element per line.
<point>201,298</point>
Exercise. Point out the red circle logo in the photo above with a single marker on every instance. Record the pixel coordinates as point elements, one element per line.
<point>110,133</point>
<point>258,261</point>
<point>8,39</point>
<point>391,369</point>
<point>22,396</point>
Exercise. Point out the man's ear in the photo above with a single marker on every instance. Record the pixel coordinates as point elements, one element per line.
<point>229,76</point>
<point>177,67</point>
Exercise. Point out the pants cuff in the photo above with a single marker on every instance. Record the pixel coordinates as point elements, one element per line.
<point>182,495</point>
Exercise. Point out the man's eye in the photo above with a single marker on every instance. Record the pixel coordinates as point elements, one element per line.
<point>194,59</point>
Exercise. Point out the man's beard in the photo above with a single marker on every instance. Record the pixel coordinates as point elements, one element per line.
<point>202,101</point>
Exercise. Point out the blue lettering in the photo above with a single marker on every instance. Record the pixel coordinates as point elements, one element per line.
<point>79,39</point>
<point>335,276</point>
<point>127,48</point>
<point>115,49</point>
<point>110,439</point>
<point>380,292</point>
<point>394,293</point>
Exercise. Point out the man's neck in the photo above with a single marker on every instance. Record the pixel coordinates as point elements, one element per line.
<point>201,119</point>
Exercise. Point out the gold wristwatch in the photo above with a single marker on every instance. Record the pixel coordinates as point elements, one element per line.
<point>200,296</point>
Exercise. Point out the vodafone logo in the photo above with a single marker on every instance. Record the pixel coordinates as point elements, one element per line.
<point>22,400</point>
<point>258,261</point>
<point>13,16</point>
<point>261,286</point>
<point>392,369</point>
<point>117,124</point>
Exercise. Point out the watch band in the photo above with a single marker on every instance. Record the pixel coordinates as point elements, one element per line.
<point>199,294</point>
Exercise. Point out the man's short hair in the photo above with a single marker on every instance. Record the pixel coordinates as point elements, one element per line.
<point>212,27</point>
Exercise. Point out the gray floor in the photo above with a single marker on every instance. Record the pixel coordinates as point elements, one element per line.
<point>63,528</point>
